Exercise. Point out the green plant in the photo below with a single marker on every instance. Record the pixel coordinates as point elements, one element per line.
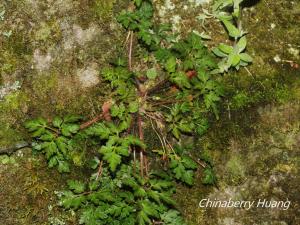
<point>174,93</point>
<point>229,13</point>
<point>55,140</point>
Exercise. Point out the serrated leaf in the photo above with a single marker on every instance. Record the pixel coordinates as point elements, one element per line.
<point>63,167</point>
<point>69,129</point>
<point>167,199</point>
<point>143,219</point>
<point>133,107</point>
<point>69,200</point>
<point>72,118</point>
<point>189,163</point>
<point>57,121</point>
<point>176,132</point>
<point>99,130</point>
<point>52,162</point>
<point>140,192</point>
<point>62,145</point>
<point>172,217</point>
<point>148,208</point>
<point>50,148</point>
<point>36,124</point>
<point>124,151</point>
<point>113,159</point>
<point>94,163</point>
<point>185,127</point>
<point>76,186</point>
<point>47,136</point>
<point>38,132</point>
<point>208,176</point>
<point>88,217</point>
<point>171,65</point>
<point>181,80</point>
<point>188,177</point>
<point>134,141</point>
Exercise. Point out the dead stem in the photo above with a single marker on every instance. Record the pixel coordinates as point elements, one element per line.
<point>91,122</point>
<point>99,170</point>
<point>141,136</point>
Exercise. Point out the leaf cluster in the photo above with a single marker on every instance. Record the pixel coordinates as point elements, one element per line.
<point>125,198</point>
<point>55,139</point>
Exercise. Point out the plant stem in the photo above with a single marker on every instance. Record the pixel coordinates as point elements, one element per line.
<point>91,122</point>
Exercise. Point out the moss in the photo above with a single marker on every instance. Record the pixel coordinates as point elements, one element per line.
<point>12,111</point>
<point>235,170</point>
<point>103,8</point>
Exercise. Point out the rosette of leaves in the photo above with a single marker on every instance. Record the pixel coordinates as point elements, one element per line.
<point>233,56</point>
<point>54,139</point>
<point>123,199</point>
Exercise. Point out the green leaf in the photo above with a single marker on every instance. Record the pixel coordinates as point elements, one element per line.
<point>232,30</point>
<point>118,110</point>
<point>47,137</point>
<point>36,124</point>
<point>99,130</point>
<point>176,133</point>
<point>167,199</point>
<point>50,148</point>
<point>69,129</point>
<point>124,151</point>
<point>185,127</point>
<point>242,43</point>
<point>138,2</point>
<point>94,163</point>
<point>38,132</point>
<point>134,141</point>
<point>140,192</point>
<point>172,217</point>
<point>88,217</point>
<point>113,159</point>
<point>154,195</point>
<point>245,57</point>
<point>69,200</point>
<point>171,65</point>
<point>72,118</point>
<point>188,177</point>
<point>181,80</point>
<point>52,162</point>
<point>151,73</point>
<point>148,208</point>
<point>225,48</point>
<point>234,59</point>
<point>133,107</point>
<point>62,145</point>
<point>202,126</point>
<point>210,99</point>
<point>219,53</point>
<point>63,167</point>
<point>189,163</point>
<point>209,177</point>
<point>76,186</point>
<point>57,121</point>
<point>143,218</point>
